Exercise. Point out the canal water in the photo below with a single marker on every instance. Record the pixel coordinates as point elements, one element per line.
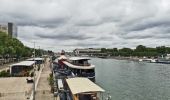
<point>128,80</point>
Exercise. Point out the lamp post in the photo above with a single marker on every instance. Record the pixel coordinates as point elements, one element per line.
<point>39,51</point>
<point>34,75</point>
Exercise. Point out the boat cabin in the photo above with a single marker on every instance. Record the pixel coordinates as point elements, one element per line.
<point>22,68</point>
<point>84,89</point>
<point>79,61</point>
<point>80,67</point>
<point>37,60</point>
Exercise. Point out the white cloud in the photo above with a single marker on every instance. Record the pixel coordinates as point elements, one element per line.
<point>69,24</point>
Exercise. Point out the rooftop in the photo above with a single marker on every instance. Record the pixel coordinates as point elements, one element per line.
<point>35,59</point>
<point>24,63</point>
<point>62,57</point>
<point>82,85</point>
<point>78,67</point>
<point>78,58</point>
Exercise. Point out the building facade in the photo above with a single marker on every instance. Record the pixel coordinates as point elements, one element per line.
<point>3,28</point>
<point>87,51</point>
<point>10,29</point>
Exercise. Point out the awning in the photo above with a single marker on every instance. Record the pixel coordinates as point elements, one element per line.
<point>78,58</point>
<point>23,63</point>
<point>82,85</point>
<point>62,57</point>
<point>78,67</point>
<point>31,59</point>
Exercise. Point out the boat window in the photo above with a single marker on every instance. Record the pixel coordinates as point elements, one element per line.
<point>88,70</point>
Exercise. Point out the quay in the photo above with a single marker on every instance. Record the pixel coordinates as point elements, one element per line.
<point>67,87</point>
<point>18,88</point>
<point>43,91</point>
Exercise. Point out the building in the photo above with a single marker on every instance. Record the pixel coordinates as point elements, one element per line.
<point>3,28</point>
<point>87,51</point>
<point>10,29</point>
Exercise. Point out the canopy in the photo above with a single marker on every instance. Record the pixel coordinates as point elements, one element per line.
<point>62,57</point>
<point>82,85</point>
<point>31,59</point>
<point>78,58</point>
<point>78,67</point>
<point>24,63</point>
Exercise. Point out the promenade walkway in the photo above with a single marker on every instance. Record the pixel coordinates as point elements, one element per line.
<point>43,91</point>
<point>16,88</point>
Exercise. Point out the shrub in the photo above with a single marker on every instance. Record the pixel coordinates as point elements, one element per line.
<point>4,74</point>
<point>32,74</point>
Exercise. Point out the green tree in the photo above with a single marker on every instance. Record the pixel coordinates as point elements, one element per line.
<point>140,48</point>
<point>103,50</point>
<point>161,50</point>
<point>125,52</point>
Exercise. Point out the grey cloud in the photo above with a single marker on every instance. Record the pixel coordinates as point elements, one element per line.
<point>64,37</point>
<point>138,37</point>
<point>104,38</point>
<point>26,21</point>
<point>159,32</point>
<point>89,23</point>
<point>84,45</point>
<point>148,24</point>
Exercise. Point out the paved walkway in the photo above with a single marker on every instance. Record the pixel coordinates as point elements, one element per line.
<point>43,91</point>
<point>14,88</point>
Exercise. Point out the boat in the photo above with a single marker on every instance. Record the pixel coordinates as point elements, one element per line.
<point>164,60</point>
<point>84,89</point>
<point>148,60</point>
<point>59,66</point>
<point>80,67</point>
<point>75,66</point>
<point>79,83</point>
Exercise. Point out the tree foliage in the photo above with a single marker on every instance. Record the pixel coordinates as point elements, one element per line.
<point>11,47</point>
<point>139,51</point>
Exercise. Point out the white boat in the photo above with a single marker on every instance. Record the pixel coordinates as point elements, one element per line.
<point>164,60</point>
<point>80,67</point>
<point>148,60</point>
<point>84,89</point>
<point>60,85</point>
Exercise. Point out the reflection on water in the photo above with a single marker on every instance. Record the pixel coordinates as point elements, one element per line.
<point>128,80</point>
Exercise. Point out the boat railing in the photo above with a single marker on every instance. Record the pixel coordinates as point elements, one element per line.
<point>88,74</point>
<point>81,64</point>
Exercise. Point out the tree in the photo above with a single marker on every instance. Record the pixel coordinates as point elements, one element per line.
<point>103,50</point>
<point>12,47</point>
<point>1,51</point>
<point>125,52</point>
<point>115,50</point>
<point>161,50</point>
<point>140,48</point>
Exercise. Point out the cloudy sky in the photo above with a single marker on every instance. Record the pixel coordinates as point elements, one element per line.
<point>69,24</point>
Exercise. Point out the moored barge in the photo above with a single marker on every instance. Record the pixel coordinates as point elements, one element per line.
<point>80,67</point>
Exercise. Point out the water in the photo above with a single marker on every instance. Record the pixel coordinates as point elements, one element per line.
<point>128,80</point>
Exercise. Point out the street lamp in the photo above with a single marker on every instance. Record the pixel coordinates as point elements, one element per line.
<point>39,51</point>
<point>34,75</point>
